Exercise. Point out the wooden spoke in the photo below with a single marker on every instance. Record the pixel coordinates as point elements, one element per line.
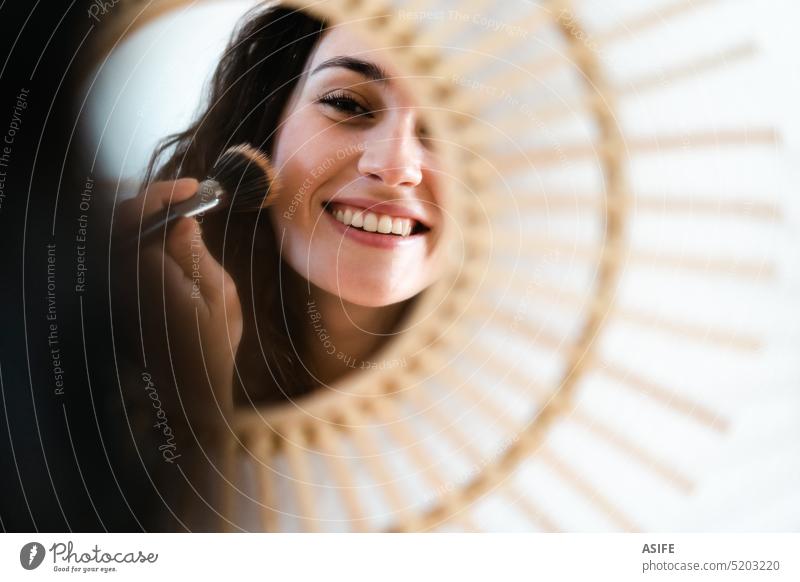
<point>563,203</point>
<point>708,334</point>
<point>530,510</point>
<point>484,308</point>
<point>627,446</point>
<point>230,489</point>
<point>460,440</point>
<point>297,456</point>
<point>509,373</point>
<point>664,396</point>
<point>582,486</point>
<point>427,467</point>
<point>587,104</point>
<point>481,401</point>
<point>493,45</point>
<point>372,458</point>
<point>263,451</point>
<point>578,251</point>
<point>648,19</point>
<point>698,66</point>
<point>544,156</point>
<point>441,33</point>
<point>335,457</point>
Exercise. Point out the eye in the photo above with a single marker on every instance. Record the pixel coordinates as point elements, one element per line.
<point>343,103</point>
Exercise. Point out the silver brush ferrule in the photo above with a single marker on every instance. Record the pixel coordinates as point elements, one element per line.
<point>209,195</point>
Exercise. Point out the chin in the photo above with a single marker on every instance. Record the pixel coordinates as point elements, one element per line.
<point>369,291</point>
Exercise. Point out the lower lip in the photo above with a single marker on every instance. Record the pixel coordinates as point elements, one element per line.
<point>374,239</point>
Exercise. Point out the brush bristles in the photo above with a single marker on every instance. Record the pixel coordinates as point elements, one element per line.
<point>247,177</point>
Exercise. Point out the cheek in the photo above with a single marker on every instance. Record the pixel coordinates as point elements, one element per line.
<point>305,161</point>
<point>292,162</point>
<point>294,159</point>
<point>306,156</point>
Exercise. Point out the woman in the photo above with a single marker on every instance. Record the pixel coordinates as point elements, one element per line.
<point>296,296</point>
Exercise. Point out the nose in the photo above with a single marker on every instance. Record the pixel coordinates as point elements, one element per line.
<point>393,155</point>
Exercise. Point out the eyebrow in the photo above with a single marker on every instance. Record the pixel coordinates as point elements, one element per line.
<point>365,68</point>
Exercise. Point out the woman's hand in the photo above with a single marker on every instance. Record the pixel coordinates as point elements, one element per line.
<point>187,305</point>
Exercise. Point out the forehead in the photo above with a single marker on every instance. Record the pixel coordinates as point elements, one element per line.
<point>345,40</point>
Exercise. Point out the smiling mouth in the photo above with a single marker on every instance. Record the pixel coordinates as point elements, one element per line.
<point>361,219</point>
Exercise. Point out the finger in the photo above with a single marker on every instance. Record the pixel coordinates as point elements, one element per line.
<point>160,195</point>
<point>186,247</point>
<point>132,212</point>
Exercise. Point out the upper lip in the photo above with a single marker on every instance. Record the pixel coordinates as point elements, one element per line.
<point>391,208</point>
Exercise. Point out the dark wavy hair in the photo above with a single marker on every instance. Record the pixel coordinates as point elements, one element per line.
<point>248,93</point>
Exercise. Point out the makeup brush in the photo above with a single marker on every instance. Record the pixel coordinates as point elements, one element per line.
<point>241,179</point>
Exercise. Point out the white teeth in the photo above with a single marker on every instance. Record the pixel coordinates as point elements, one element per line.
<point>385,224</point>
<point>372,222</point>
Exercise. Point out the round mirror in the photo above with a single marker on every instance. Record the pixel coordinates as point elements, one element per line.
<point>416,308</point>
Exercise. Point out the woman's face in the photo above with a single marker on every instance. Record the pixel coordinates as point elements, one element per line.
<point>359,212</point>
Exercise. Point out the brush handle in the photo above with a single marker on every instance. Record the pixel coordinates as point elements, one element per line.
<point>209,195</point>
